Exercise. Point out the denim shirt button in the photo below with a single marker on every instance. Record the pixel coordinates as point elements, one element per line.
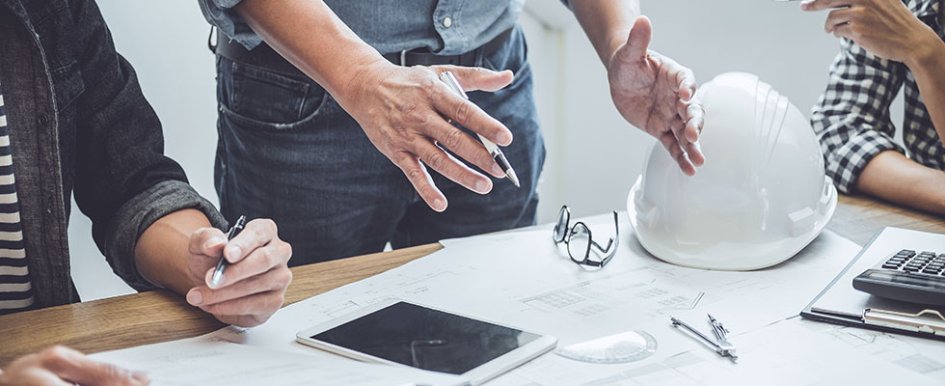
<point>447,22</point>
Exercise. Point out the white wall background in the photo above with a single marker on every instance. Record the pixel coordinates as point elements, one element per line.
<point>593,156</point>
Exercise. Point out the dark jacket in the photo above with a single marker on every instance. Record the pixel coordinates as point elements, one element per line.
<point>79,122</point>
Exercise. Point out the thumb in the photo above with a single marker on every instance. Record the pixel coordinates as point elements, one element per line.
<point>478,78</point>
<point>639,40</point>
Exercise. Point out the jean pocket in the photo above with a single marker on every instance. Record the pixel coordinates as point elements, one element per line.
<point>513,55</point>
<point>258,98</point>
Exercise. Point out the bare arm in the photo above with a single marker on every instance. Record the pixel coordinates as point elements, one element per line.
<point>926,64</point>
<point>607,23</point>
<point>309,35</point>
<point>893,177</point>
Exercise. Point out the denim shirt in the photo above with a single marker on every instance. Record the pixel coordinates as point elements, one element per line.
<point>447,27</point>
<point>83,127</point>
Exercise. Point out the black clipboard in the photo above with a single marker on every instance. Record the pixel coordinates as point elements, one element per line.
<point>884,315</point>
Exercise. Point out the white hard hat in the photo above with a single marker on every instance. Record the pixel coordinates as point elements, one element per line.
<point>761,196</point>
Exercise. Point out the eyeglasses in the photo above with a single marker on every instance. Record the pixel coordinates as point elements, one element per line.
<point>580,243</point>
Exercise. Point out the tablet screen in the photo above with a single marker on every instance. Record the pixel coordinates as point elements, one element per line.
<point>427,339</point>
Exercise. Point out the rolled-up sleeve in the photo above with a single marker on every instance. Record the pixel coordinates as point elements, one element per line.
<point>220,14</point>
<point>852,118</point>
<point>138,213</point>
<point>122,180</point>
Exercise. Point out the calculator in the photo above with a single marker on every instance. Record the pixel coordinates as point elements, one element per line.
<point>907,275</point>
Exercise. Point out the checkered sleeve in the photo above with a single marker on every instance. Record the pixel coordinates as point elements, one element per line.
<point>852,118</point>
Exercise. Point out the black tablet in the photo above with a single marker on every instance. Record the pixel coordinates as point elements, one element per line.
<point>398,332</point>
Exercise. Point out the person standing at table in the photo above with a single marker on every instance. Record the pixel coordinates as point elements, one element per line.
<point>336,141</point>
<point>886,46</point>
<point>73,119</point>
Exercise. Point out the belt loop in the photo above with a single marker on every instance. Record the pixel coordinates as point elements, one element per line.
<point>403,58</point>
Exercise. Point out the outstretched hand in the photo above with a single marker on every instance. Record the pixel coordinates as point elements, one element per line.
<point>655,94</point>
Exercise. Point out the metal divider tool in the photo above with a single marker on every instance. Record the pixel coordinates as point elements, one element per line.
<point>720,344</point>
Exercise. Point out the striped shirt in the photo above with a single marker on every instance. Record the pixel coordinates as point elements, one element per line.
<point>16,292</point>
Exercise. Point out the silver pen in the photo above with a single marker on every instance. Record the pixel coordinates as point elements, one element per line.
<point>497,155</point>
<point>728,352</point>
<point>217,276</point>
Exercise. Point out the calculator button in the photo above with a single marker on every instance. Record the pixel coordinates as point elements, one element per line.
<point>927,254</point>
<point>890,266</point>
<point>930,271</point>
<point>911,268</point>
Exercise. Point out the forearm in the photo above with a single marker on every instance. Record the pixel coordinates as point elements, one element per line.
<point>607,23</point>
<point>162,251</point>
<point>310,36</point>
<point>926,65</point>
<point>893,177</point>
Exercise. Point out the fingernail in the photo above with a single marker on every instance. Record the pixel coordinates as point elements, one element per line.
<point>195,298</point>
<point>505,138</point>
<point>233,253</point>
<point>439,205</point>
<point>483,187</point>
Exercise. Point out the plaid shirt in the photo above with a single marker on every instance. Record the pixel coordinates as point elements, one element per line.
<point>852,118</point>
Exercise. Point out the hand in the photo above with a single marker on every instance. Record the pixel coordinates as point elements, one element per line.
<point>63,366</point>
<point>655,93</point>
<point>885,28</point>
<point>406,114</point>
<point>253,285</point>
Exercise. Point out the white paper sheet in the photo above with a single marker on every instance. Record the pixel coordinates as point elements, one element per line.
<point>209,361</point>
<point>792,352</point>
<point>521,279</point>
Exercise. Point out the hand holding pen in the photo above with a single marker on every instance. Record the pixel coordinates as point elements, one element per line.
<point>496,153</point>
<point>240,277</point>
<point>406,111</point>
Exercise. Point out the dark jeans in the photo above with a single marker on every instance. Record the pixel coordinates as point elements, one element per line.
<point>289,152</point>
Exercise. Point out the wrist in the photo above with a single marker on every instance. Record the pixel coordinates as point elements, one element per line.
<point>928,51</point>
<point>351,80</point>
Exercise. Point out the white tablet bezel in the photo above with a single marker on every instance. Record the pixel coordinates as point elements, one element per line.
<point>476,376</point>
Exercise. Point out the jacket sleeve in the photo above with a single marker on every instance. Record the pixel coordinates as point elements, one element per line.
<point>220,14</point>
<point>852,118</point>
<point>123,180</point>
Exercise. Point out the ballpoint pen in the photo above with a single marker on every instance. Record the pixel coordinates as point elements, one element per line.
<point>221,265</point>
<point>497,155</point>
<point>728,350</point>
